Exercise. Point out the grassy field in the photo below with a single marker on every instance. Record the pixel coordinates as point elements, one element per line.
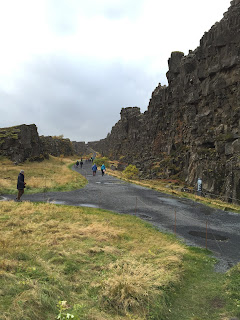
<point>94,264</point>
<point>90,264</point>
<point>49,175</point>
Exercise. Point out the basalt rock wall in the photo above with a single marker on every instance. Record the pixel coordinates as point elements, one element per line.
<point>80,148</point>
<point>20,143</point>
<point>57,146</point>
<point>192,126</point>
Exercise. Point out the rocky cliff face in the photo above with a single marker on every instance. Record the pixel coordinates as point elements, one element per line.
<point>80,148</point>
<point>57,146</point>
<point>21,143</point>
<point>192,126</point>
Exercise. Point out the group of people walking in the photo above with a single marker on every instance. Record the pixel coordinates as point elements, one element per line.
<point>79,163</point>
<point>94,169</point>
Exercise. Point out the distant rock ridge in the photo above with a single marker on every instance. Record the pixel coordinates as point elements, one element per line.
<point>57,146</point>
<point>20,143</point>
<point>80,148</point>
<point>192,126</point>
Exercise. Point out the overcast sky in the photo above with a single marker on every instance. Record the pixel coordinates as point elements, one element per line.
<point>69,66</point>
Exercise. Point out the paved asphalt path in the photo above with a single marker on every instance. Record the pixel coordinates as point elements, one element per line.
<point>107,192</point>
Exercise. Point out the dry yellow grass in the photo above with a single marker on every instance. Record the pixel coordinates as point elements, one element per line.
<point>124,268</point>
<point>106,266</point>
<point>52,174</point>
<point>133,284</point>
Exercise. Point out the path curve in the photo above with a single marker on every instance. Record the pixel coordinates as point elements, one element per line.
<point>192,218</point>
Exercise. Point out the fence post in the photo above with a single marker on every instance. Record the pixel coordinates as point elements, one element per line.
<point>136,206</point>
<point>175,221</point>
<point>44,192</point>
<point>206,232</point>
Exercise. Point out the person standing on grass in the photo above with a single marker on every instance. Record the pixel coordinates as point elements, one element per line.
<point>20,185</point>
<point>103,169</point>
<point>94,169</point>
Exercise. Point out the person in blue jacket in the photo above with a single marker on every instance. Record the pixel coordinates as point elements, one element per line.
<point>103,169</point>
<point>20,185</point>
<point>94,169</point>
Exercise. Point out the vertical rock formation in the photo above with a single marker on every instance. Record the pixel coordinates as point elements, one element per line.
<point>79,148</point>
<point>57,146</point>
<point>192,126</point>
<point>20,143</point>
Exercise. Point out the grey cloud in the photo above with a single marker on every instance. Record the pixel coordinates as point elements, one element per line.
<point>80,99</point>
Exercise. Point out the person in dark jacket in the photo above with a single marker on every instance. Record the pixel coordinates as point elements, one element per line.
<point>20,185</point>
<point>94,169</point>
<point>81,163</point>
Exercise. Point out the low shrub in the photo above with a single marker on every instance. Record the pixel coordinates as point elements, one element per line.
<point>103,160</point>
<point>131,172</point>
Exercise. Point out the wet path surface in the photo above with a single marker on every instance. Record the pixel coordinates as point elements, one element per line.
<point>192,218</point>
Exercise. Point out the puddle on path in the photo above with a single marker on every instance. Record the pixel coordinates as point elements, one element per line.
<point>210,235</point>
<point>169,201</point>
<point>109,182</point>
<point>57,202</point>
<point>3,199</point>
<point>144,216</point>
<point>113,182</point>
<point>88,205</point>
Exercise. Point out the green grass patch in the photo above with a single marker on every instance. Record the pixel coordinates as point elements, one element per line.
<point>94,264</point>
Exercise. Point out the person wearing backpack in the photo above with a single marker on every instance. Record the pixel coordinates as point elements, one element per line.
<point>103,169</point>
<point>94,169</point>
